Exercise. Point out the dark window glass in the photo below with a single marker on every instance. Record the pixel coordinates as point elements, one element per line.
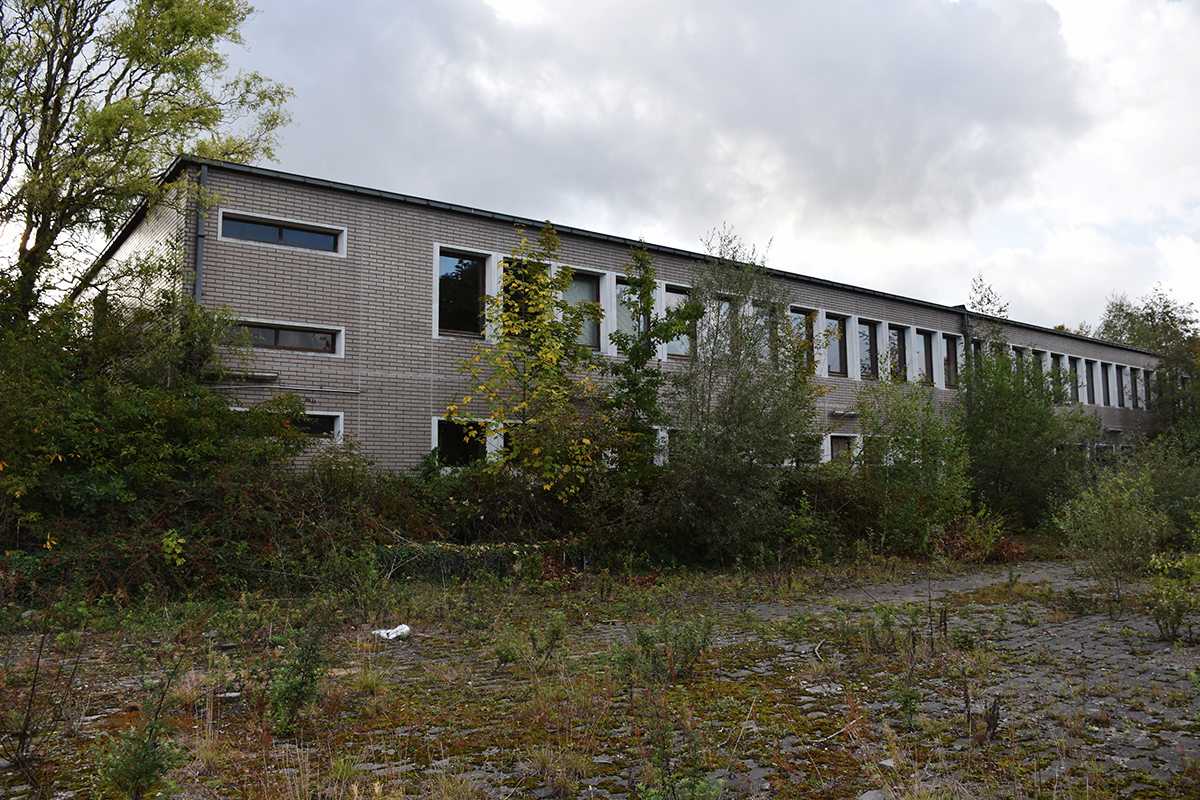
<point>801,320</point>
<point>951,343</point>
<point>1036,359</point>
<point>309,240</point>
<point>898,352</point>
<point>924,354</point>
<point>1120,387</point>
<point>460,292</point>
<point>244,229</point>
<point>1133,388</point>
<point>261,336</point>
<point>1090,373</point>
<point>304,339</point>
<point>585,288</point>
<point>458,445</point>
<point>681,346</point>
<point>1073,372</point>
<point>840,447</point>
<point>322,426</point>
<point>835,345</point>
<point>320,341</point>
<point>868,350</point>
<point>625,321</point>
<point>1104,384</point>
<point>276,233</point>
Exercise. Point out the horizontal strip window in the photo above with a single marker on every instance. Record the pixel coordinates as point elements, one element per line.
<point>283,234</point>
<point>299,339</point>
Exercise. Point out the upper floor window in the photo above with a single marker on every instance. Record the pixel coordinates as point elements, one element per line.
<point>300,339</point>
<point>681,346</point>
<point>1073,372</point>
<point>898,352</point>
<point>868,350</point>
<point>283,234</point>
<point>1104,384</point>
<point>460,292</point>
<point>1089,371</point>
<point>1133,388</point>
<point>924,356</point>
<point>802,321</point>
<point>625,320</point>
<point>1120,387</point>
<point>835,347</point>
<point>951,364</point>
<point>1037,360</point>
<point>841,446</point>
<point>585,288</point>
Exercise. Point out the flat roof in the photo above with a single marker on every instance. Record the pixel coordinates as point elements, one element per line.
<point>289,177</point>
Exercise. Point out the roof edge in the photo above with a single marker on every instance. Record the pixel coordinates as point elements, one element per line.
<point>183,160</point>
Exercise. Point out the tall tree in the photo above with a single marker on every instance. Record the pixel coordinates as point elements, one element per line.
<point>96,98</point>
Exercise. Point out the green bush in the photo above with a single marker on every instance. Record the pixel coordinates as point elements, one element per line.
<point>666,652</point>
<point>296,678</point>
<point>133,765</point>
<point>913,463</point>
<point>1115,527</point>
<point>1174,593</point>
<point>1026,450</point>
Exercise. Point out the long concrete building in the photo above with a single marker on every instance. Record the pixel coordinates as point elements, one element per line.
<point>365,302</point>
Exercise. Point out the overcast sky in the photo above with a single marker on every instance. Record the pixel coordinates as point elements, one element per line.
<point>905,145</point>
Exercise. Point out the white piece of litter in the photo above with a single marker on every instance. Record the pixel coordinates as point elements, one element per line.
<point>398,632</point>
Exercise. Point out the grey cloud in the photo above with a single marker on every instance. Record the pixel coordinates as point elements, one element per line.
<point>882,116</point>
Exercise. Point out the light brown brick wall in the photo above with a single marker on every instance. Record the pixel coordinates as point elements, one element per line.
<point>395,375</point>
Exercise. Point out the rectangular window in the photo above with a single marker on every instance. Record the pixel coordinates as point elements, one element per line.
<point>319,426</point>
<point>924,355</point>
<point>1104,384</point>
<point>898,352</point>
<point>977,349</point>
<point>1133,388</point>
<point>681,346</point>
<point>951,343</point>
<point>460,292</point>
<point>868,350</point>
<point>304,340</point>
<point>1073,377</point>
<point>459,444</point>
<point>835,345</point>
<point>1120,387</point>
<point>585,288</point>
<point>1037,360</point>
<point>802,321</point>
<point>1151,388</point>
<point>841,446</point>
<point>625,321</point>
<point>1018,359</point>
<point>1089,370</point>
<point>278,233</point>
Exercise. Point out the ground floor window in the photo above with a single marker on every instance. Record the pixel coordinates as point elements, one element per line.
<point>458,444</point>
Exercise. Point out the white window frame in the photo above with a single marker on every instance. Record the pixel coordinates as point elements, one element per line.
<point>493,444</point>
<point>343,233</point>
<point>491,285</point>
<point>827,445</point>
<point>339,424</point>
<point>339,350</point>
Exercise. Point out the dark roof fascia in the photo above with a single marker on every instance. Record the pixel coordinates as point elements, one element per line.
<point>289,177</point>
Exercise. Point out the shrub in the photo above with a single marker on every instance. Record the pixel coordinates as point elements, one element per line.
<point>295,679</point>
<point>1115,527</point>
<point>913,463</point>
<point>974,537</point>
<point>134,764</point>
<point>666,652</point>
<point>1174,592</point>
<point>1026,451</point>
